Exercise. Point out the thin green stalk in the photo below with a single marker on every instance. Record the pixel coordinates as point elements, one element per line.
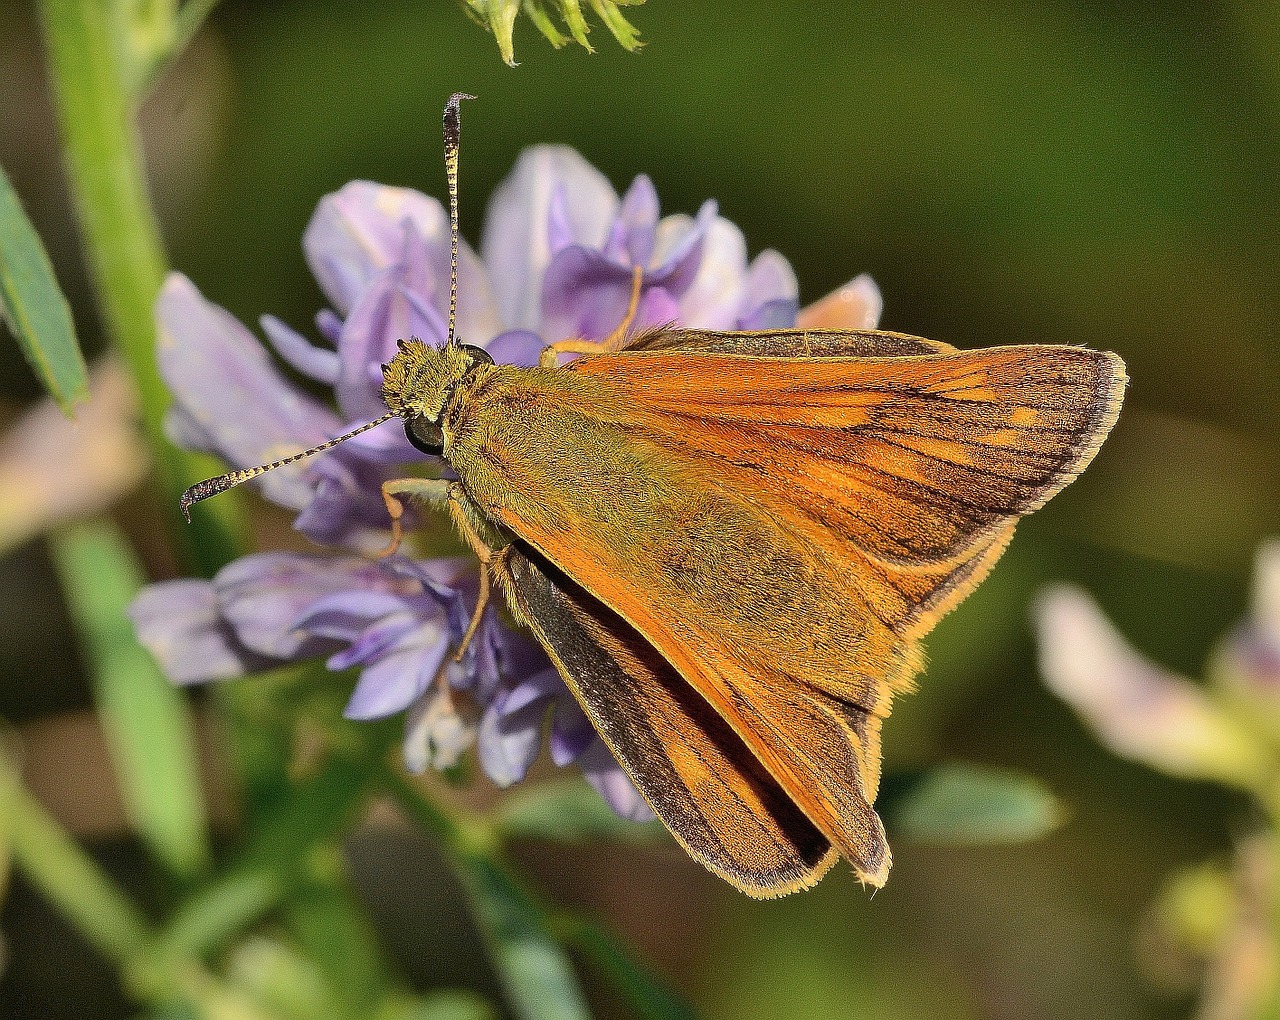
<point>533,967</point>
<point>268,869</point>
<point>458,831</point>
<point>71,880</point>
<point>90,74</point>
<point>648,997</point>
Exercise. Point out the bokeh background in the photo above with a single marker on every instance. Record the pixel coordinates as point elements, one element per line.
<point>1078,172</point>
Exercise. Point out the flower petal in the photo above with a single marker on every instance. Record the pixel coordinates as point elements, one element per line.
<point>228,387</point>
<point>634,230</point>
<point>715,295</point>
<point>520,347</point>
<point>507,745</point>
<point>358,232</point>
<point>345,615</point>
<point>856,305</point>
<point>298,351</point>
<point>264,596</point>
<point>328,325</point>
<point>771,295</point>
<point>384,313</point>
<point>1135,707</point>
<point>1266,591</point>
<point>394,683</point>
<point>178,622</point>
<point>1247,664</point>
<point>780,313</point>
<point>584,294</point>
<point>435,733</point>
<point>374,642</point>
<point>571,730</point>
<point>516,245</point>
<point>614,785</point>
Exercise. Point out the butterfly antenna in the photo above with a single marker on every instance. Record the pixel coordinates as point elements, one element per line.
<point>213,486</point>
<point>452,138</point>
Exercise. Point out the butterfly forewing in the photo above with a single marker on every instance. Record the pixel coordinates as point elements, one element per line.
<point>913,459</point>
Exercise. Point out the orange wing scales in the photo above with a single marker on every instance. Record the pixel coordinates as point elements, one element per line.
<point>781,531</point>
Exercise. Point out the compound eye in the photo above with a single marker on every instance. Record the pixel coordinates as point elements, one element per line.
<point>478,354</point>
<point>425,436</point>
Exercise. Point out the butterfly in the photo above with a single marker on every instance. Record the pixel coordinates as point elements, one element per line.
<point>730,544</point>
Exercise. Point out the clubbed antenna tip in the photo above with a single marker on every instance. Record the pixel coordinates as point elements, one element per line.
<point>203,490</point>
<point>213,486</point>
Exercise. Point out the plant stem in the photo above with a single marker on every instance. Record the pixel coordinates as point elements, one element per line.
<point>54,864</point>
<point>89,72</point>
<point>518,930</point>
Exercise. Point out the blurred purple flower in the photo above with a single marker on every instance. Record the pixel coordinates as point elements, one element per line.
<point>1247,663</point>
<point>1135,707</point>
<point>556,260</point>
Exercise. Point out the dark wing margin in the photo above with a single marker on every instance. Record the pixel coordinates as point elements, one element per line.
<point>700,778</point>
<point>787,343</point>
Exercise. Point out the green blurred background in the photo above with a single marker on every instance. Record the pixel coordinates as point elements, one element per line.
<point>1090,173</point>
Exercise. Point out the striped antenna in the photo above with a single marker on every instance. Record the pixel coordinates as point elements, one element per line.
<point>452,138</point>
<point>213,486</point>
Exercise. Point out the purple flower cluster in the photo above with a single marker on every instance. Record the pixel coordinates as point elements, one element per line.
<point>556,261</point>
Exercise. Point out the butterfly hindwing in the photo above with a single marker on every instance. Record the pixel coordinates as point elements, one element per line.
<point>700,778</point>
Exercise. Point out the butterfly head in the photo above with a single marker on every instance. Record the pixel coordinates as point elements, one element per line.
<point>417,384</point>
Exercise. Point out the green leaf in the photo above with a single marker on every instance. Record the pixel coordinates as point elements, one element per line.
<point>89,82</point>
<point>148,725</point>
<point>273,974</point>
<point>33,306</point>
<point>964,805</point>
<point>534,970</point>
<point>313,811</point>
<point>621,28</point>
<point>328,926</point>
<point>567,811</point>
<point>502,20</point>
<point>499,16</point>
<point>541,19</point>
<point>221,910</point>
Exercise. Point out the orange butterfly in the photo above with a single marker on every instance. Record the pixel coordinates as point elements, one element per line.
<point>730,544</point>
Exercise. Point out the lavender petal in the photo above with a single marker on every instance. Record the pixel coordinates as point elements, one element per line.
<point>356,233</point>
<point>179,624</point>
<point>519,347</point>
<point>392,684</point>
<point>263,597</point>
<point>515,244</point>
<point>634,231</point>
<point>228,387</point>
<point>298,351</point>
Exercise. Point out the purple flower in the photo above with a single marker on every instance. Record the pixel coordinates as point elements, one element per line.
<point>556,260</point>
<point>1137,708</point>
<point>1247,663</point>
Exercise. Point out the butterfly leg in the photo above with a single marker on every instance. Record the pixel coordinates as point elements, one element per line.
<point>466,515</point>
<point>615,341</point>
<point>432,490</point>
